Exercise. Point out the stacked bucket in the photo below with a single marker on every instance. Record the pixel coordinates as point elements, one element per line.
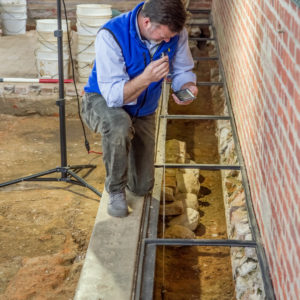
<point>90,17</point>
<point>46,52</point>
<point>13,16</point>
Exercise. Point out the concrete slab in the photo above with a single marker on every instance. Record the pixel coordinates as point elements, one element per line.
<point>17,57</point>
<point>109,266</point>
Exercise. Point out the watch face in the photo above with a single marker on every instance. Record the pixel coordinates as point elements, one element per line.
<point>185,95</point>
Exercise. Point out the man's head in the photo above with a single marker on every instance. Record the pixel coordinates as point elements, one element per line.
<point>162,19</point>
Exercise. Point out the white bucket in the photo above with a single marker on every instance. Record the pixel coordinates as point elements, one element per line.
<point>12,2</point>
<point>47,65</point>
<point>14,16</point>
<point>84,70</point>
<point>85,43</point>
<point>86,57</point>
<point>85,62</point>
<point>44,46</point>
<point>87,30</point>
<point>93,21</point>
<point>45,31</point>
<point>13,26</point>
<point>94,9</point>
<point>13,8</point>
<point>50,25</point>
<point>49,37</point>
<point>18,15</point>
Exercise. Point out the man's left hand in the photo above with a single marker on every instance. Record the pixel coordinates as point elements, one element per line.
<point>192,87</point>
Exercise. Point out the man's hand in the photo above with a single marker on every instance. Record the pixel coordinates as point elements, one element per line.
<point>156,70</point>
<point>192,87</point>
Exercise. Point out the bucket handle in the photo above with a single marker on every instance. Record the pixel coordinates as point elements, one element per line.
<point>85,26</point>
<point>40,75</point>
<point>87,65</point>
<point>50,48</point>
<point>88,46</point>
<point>10,32</point>
<point>71,37</point>
<point>2,10</point>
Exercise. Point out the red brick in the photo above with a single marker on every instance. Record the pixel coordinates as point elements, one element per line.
<point>269,95</point>
<point>292,46</point>
<point>298,56</point>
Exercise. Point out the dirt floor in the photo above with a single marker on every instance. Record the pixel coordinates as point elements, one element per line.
<point>44,226</point>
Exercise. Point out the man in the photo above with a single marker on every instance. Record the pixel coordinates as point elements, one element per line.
<point>134,53</point>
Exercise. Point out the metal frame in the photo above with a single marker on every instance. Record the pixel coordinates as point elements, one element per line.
<point>149,241</point>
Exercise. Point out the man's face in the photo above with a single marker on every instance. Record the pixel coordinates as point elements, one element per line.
<point>157,33</point>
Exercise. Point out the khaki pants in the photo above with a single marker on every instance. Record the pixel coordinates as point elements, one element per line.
<point>127,145</point>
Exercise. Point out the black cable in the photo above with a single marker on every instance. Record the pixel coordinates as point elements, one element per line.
<point>86,142</point>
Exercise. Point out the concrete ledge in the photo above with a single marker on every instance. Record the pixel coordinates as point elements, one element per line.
<point>109,266</point>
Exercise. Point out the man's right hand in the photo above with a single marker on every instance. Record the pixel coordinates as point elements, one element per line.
<point>156,70</point>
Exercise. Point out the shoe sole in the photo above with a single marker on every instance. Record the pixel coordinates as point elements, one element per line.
<point>119,213</point>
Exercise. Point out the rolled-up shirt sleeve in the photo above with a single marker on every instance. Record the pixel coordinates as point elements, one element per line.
<point>111,69</point>
<point>182,63</point>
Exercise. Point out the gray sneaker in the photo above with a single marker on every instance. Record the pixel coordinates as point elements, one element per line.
<point>117,205</point>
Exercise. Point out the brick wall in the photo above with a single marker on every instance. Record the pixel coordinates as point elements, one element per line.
<point>260,45</point>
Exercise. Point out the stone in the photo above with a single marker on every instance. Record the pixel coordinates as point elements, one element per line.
<point>192,44</point>
<point>189,220</point>
<point>224,133</point>
<point>214,74</point>
<point>170,181</point>
<point>251,253</point>
<point>194,31</point>
<point>173,209</point>
<point>176,151</point>
<point>179,232</point>
<point>168,192</point>
<point>238,200</point>
<point>195,172</point>
<point>171,171</point>
<point>247,268</point>
<point>241,287</point>
<point>189,200</point>
<point>9,89</point>
<point>187,183</point>
<point>241,230</point>
<point>35,89</point>
<point>238,215</point>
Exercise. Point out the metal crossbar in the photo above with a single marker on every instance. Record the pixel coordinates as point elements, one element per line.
<point>209,83</point>
<point>199,166</point>
<point>206,58</point>
<point>200,24</point>
<point>199,11</point>
<point>200,242</point>
<point>195,117</point>
<point>200,39</point>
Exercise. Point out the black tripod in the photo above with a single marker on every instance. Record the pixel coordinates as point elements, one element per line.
<point>68,173</point>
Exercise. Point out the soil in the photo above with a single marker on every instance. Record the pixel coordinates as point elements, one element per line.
<point>44,226</point>
<point>198,272</point>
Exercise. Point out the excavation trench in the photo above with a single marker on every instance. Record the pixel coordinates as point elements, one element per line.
<point>196,272</point>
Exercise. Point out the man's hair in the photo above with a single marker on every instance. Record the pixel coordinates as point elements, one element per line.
<point>165,12</point>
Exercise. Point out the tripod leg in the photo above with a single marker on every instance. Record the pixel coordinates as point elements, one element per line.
<point>84,183</point>
<point>27,178</point>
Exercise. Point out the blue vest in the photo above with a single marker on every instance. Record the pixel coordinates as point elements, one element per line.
<point>137,57</point>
